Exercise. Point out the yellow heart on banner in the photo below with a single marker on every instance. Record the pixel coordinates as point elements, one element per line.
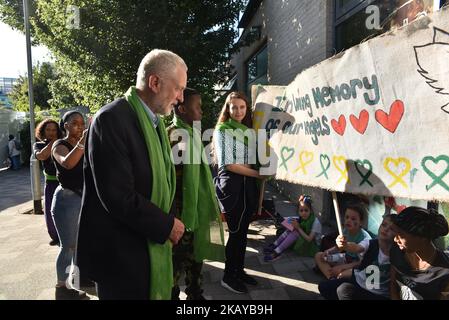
<point>257,119</point>
<point>305,158</point>
<point>398,178</point>
<point>342,169</point>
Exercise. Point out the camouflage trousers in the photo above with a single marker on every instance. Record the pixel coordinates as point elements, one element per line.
<point>183,261</point>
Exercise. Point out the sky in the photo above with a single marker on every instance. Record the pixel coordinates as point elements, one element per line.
<point>13,60</point>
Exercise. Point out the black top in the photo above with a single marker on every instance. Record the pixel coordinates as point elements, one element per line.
<point>420,284</point>
<point>69,179</point>
<point>49,166</point>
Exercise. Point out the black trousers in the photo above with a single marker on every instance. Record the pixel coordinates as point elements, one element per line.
<point>238,220</point>
<point>346,289</point>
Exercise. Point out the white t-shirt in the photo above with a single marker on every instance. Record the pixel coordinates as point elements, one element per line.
<point>376,277</point>
<point>12,149</point>
<point>316,227</point>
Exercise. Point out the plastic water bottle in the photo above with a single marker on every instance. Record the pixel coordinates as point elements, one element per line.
<point>335,258</point>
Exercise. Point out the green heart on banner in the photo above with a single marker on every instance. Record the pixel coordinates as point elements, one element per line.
<point>436,179</point>
<point>365,164</point>
<point>324,167</point>
<point>284,159</point>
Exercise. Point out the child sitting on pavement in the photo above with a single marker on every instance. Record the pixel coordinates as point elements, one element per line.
<point>333,262</point>
<point>364,283</point>
<point>304,233</point>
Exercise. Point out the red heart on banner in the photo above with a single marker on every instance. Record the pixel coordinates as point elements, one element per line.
<point>361,123</point>
<point>340,126</point>
<point>392,120</point>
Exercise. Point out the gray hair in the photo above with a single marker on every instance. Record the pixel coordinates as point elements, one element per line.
<point>157,61</point>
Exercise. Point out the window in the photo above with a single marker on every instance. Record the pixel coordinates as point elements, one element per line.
<point>256,70</point>
<point>351,18</point>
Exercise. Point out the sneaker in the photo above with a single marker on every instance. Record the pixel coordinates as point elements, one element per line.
<point>269,249</point>
<point>63,293</point>
<point>233,284</point>
<point>271,257</point>
<point>247,279</point>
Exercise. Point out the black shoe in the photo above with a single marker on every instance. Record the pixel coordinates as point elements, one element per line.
<point>63,293</point>
<point>198,297</point>
<point>233,284</point>
<point>54,243</point>
<point>86,283</point>
<point>247,279</point>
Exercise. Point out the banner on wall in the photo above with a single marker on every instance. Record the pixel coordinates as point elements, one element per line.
<point>373,119</point>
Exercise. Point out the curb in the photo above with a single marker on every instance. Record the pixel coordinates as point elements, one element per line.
<point>24,208</point>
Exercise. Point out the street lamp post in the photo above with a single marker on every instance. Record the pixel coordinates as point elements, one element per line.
<point>34,163</point>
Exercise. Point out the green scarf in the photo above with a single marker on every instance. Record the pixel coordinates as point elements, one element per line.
<point>306,225</point>
<point>303,247</point>
<point>162,194</point>
<point>233,125</point>
<point>200,212</point>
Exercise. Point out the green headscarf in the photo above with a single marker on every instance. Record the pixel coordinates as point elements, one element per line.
<point>162,194</point>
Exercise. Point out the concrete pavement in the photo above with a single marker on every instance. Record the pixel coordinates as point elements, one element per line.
<point>27,262</point>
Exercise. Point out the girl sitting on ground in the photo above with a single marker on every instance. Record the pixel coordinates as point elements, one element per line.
<point>333,261</point>
<point>305,233</point>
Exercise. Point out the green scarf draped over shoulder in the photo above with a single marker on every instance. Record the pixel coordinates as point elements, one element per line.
<point>200,212</point>
<point>162,194</point>
<point>238,129</point>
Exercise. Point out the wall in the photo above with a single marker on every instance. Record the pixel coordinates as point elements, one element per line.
<point>298,34</point>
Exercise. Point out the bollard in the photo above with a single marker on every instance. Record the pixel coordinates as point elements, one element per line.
<point>36,192</point>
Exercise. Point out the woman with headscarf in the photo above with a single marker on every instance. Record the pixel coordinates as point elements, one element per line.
<point>419,270</point>
<point>67,155</point>
<point>47,132</point>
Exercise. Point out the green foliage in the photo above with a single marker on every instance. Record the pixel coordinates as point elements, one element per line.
<point>42,75</point>
<point>98,61</point>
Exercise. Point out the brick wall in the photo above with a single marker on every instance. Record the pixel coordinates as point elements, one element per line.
<point>298,34</point>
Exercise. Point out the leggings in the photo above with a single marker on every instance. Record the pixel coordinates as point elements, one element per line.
<point>285,240</point>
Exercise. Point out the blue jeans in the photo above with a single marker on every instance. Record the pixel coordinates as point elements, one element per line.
<point>15,162</point>
<point>65,210</point>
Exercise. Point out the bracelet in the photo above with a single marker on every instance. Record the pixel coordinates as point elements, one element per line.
<point>80,146</point>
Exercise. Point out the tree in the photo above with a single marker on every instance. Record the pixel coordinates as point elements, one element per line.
<point>100,58</point>
<point>42,74</point>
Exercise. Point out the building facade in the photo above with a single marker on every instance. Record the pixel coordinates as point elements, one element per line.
<point>281,38</point>
<point>6,86</point>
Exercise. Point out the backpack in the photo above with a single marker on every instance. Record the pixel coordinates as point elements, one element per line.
<point>18,144</point>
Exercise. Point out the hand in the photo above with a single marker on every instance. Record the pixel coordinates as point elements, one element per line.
<point>83,137</point>
<point>295,223</point>
<point>336,271</point>
<point>341,242</point>
<point>263,177</point>
<point>177,231</point>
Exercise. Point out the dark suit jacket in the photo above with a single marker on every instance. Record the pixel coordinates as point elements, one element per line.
<point>117,217</point>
